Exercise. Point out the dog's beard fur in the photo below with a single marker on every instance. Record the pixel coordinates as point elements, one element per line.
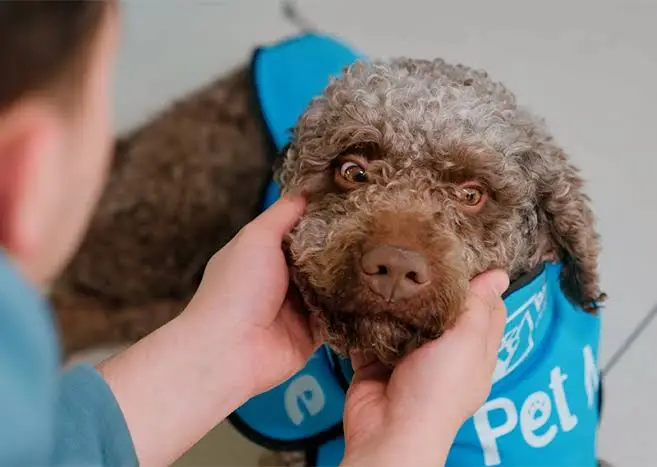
<point>348,315</point>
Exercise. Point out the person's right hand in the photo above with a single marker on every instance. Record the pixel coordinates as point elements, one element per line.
<point>412,414</point>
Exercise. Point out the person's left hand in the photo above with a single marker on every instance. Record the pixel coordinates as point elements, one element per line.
<point>246,285</point>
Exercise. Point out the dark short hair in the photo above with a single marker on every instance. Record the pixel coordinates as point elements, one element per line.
<point>44,45</point>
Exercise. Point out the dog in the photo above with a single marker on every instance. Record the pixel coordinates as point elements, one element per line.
<point>419,176</point>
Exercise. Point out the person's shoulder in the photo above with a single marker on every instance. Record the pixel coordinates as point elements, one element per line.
<point>27,330</point>
<point>29,361</point>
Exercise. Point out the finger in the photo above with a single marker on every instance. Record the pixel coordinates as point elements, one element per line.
<point>297,328</point>
<point>367,367</point>
<point>295,304</point>
<point>483,298</point>
<point>495,283</point>
<point>281,217</point>
<point>497,322</point>
<point>360,360</point>
<point>317,328</point>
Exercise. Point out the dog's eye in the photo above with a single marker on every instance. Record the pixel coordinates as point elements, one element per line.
<point>353,172</point>
<point>473,195</point>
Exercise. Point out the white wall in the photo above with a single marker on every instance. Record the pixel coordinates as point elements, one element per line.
<point>590,67</point>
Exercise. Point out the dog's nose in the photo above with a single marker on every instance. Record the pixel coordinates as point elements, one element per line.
<point>394,273</point>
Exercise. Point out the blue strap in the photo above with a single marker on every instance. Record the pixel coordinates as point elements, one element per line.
<point>307,409</point>
<point>303,411</point>
<point>289,74</point>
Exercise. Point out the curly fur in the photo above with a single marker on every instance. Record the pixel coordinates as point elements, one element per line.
<point>425,127</point>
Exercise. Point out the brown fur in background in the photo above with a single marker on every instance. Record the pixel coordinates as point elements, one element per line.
<point>181,186</point>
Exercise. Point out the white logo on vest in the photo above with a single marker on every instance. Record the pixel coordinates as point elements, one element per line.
<point>303,391</point>
<point>518,340</point>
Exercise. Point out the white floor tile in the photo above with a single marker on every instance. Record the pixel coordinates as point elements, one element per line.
<point>627,436</point>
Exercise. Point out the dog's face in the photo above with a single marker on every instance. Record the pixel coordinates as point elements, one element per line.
<point>419,176</point>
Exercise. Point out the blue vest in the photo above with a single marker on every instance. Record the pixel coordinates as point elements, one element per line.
<point>544,404</point>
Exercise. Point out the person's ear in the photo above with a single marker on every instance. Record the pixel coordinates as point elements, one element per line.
<point>31,140</point>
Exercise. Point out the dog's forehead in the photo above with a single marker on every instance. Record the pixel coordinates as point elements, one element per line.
<point>394,94</point>
<point>415,106</point>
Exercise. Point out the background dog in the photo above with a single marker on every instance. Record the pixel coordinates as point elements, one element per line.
<point>181,186</point>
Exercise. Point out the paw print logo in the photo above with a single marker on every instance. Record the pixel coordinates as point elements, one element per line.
<point>537,408</point>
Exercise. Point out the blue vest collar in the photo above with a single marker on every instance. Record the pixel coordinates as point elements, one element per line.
<point>287,76</point>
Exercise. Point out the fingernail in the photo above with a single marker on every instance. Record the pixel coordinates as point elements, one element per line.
<point>294,199</point>
<point>297,197</point>
<point>499,280</point>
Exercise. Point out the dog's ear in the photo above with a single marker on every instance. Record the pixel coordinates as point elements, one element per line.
<point>564,213</point>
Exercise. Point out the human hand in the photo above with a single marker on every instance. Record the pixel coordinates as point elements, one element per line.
<point>238,336</point>
<point>245,291</point>
<point>416,409</point>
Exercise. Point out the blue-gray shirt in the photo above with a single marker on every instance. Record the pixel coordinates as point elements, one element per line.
<point>49,416</point>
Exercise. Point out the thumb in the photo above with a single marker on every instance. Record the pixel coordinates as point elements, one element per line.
<point>367,367</point>
<point>281,217</point>
<point>368,385</point>
<point>497,322</point>
<point>484,315</point>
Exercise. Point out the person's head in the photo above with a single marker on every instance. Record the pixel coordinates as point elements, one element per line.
<point>55,126</point>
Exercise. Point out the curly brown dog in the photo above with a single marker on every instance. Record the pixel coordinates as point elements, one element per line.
<point>421,175</point>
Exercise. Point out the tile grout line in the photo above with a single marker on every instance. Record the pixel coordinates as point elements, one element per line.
<point>630,340</point>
